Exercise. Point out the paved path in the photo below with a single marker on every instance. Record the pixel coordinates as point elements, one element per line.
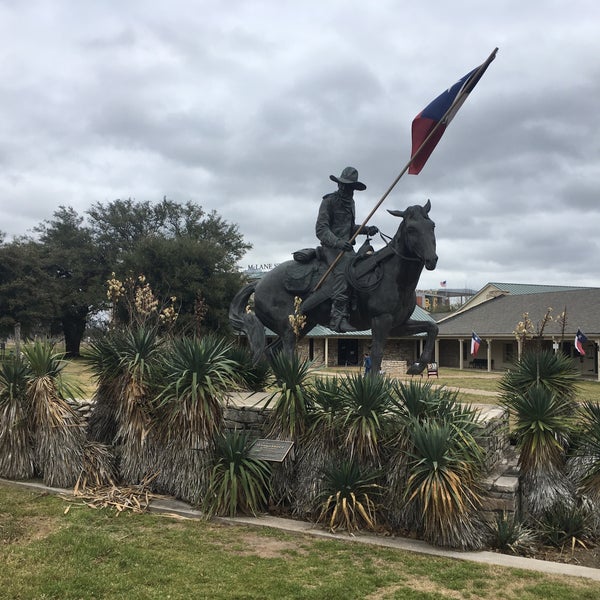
<point>176,507</point>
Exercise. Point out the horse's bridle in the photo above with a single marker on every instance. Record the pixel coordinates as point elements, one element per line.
<point>387,239</point>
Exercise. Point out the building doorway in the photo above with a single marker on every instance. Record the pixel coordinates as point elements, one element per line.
<point>347,353</point>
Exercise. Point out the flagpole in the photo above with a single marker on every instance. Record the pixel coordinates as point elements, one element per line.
<point>476,76</point>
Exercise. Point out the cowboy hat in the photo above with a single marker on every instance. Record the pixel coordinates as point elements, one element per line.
<point>349,176</point>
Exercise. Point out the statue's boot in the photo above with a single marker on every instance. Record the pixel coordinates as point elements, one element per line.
<point>339,318</point>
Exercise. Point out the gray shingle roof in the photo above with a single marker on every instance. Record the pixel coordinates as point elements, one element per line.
<point>499,317</point>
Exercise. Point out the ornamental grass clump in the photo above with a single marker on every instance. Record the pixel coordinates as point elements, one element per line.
<point>16,449</point>
<point>239,482</point>
<point>198,373</point>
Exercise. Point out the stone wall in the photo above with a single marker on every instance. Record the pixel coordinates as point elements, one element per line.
<point>393,368</point>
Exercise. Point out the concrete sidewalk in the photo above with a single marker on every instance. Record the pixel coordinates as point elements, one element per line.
<point>176,507</point>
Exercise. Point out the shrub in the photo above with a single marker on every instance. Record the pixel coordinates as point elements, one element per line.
<point>349,496</point>
<point>238,482</point>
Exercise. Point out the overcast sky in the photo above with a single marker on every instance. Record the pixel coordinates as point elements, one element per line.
<point>248,107</point>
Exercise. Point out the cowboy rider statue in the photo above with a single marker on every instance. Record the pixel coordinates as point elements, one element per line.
<point>335,228</point>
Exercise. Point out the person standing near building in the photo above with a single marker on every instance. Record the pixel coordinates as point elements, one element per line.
<point>367,363</point>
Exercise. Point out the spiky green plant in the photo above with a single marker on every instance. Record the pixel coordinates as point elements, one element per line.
<point>584,463</point>
<point>320,445</point>
<point>291,402</point>
<point>564,526</point>
<point>418,403</point>
<point>413,399</point>
<point>367,417</point>
<point>554,372</point>
<point>349,499</point>
<point>443,484</point>
<point>58,429</point>
<point>542,423</point>
<point>104,360</point>
<point>508,534</point>
<point>139,354</point>
<point>16,450</point>
<point>238,482</point>
<point>290,406</point>
<point>198,374</point>
<point>251,376</point>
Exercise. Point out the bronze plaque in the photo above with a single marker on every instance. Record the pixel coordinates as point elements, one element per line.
<point>271,450</point>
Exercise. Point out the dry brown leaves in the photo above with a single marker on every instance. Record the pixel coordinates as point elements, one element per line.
<point>135,498</point>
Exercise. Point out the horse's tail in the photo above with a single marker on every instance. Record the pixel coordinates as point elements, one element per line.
<point>247,322</point>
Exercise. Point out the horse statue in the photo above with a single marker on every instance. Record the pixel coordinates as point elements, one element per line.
<point>384,298</point>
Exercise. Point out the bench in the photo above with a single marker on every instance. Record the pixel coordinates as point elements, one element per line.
<point>480,363</point>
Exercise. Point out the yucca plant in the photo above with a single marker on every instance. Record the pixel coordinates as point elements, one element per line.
<point>508,534</point>
<point>238,482</point>
<point>413,400</point>
<point>350,496</point>
<point>58,430</point>
<point>543,421</point>
<point>198,374</point>
<point>290,407</point>
<point>564,526</point>
<point>291,402</point>
<point>367,416</point>
<point>16,450</point>
<point>139,353</point>
<point>99,466</point>
<point>554,372</point>
<point>417,403</point>
<point>585,462</point>
<point>252,376</point>
<point>443,485</point>
<point>320,445</point>
<point>104,360</point>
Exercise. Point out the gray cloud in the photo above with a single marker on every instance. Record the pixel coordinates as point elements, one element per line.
<point>247,108</point>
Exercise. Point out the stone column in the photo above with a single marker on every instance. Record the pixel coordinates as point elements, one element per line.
<point>460,353</point>
<point>489,355</point>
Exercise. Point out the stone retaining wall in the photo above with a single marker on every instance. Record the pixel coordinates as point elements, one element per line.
<point>501,487</point>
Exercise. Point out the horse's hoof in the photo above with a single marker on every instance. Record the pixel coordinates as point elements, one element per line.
<point>415,369</point>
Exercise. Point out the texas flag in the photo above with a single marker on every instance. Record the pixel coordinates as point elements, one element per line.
<point>442,111</point>
<point>580,340</point>
<point>475,343</point>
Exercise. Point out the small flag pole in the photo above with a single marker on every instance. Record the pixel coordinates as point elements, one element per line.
<point>459,98</point>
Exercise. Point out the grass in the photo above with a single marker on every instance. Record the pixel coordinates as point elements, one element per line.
<point>85,553</point>
<point>471,382</point>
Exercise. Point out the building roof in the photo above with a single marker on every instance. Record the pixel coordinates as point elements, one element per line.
<point>494,289</point>
<point>320,331</point>
<point>499,317</point>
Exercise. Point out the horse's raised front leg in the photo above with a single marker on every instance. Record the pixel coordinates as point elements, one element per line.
<point>380,328</point>
<point>412,328</point>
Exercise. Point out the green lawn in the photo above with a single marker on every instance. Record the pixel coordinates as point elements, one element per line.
<point>46,552</point>
<point>468,381</point>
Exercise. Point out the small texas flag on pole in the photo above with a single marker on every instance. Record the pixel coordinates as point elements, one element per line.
<point>475,343</point>
<point>580,340</point>
<point>429,125</point>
